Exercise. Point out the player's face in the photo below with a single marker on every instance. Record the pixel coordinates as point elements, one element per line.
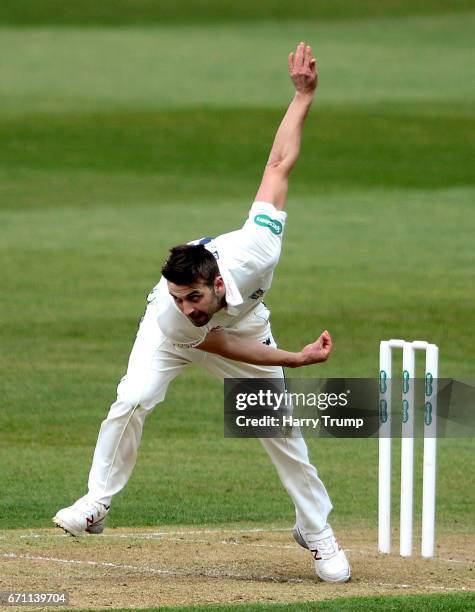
<point>199,301</point>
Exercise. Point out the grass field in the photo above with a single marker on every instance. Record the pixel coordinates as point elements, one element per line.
<point>458,603</point>
<point>131,130</point>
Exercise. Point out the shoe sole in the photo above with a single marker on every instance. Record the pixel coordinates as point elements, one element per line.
<point>92,529</point>
<point>342,581</point>
<point>62,525</point>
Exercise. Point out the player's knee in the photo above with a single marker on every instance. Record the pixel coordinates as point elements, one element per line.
<point>132,394</point>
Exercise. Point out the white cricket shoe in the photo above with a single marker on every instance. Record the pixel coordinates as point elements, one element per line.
<point>331,564</point>
<point>83,515</point>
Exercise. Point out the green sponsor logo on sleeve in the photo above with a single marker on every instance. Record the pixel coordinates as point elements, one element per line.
<point>266,221</point>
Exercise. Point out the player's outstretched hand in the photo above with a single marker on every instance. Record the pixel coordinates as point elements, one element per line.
<point>303,69</point>
<point>318,351</point>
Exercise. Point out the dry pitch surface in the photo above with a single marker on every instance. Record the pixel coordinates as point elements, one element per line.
<point>172,566</point>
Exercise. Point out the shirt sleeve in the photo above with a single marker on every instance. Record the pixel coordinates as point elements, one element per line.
<point>263,231</point>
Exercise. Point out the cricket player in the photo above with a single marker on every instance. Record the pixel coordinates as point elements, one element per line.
<point>208,309</point>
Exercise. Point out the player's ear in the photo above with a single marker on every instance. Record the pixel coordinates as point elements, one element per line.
<point>219,283</point>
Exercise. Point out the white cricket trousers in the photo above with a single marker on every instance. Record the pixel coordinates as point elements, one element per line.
<point>153,363</point>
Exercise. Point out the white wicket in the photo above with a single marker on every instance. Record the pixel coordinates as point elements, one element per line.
<point>407,446</point>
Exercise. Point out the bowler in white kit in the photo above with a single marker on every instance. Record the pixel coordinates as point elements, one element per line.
<point>207,309</point>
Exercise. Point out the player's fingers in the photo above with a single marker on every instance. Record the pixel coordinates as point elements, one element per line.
<point>308,55</point>
<point>291,61</point>
<point>299,55</point>
<point>320,342</point>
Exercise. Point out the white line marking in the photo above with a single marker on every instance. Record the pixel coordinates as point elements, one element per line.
<point>182,540</point>
<point>81,562</point>
<point>158,534</point>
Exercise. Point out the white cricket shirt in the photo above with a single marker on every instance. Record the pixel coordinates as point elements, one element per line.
<point>246,260</point>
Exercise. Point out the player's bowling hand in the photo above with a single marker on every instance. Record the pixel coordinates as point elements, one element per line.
<point>303,69</point>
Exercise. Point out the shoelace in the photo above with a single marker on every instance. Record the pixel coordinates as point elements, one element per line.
<point>325,549</point>
<point>91,510</point>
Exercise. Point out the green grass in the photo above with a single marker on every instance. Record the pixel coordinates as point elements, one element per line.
<point>112,152</point>
<point>453,602</point>
<point>406,148</point>
<point>378,60</point>
<point>126,12</point>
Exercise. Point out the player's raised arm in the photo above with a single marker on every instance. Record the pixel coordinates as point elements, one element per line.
<point>286,147</point>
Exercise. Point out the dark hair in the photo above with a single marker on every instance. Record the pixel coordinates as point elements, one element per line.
<point>188,264</point>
